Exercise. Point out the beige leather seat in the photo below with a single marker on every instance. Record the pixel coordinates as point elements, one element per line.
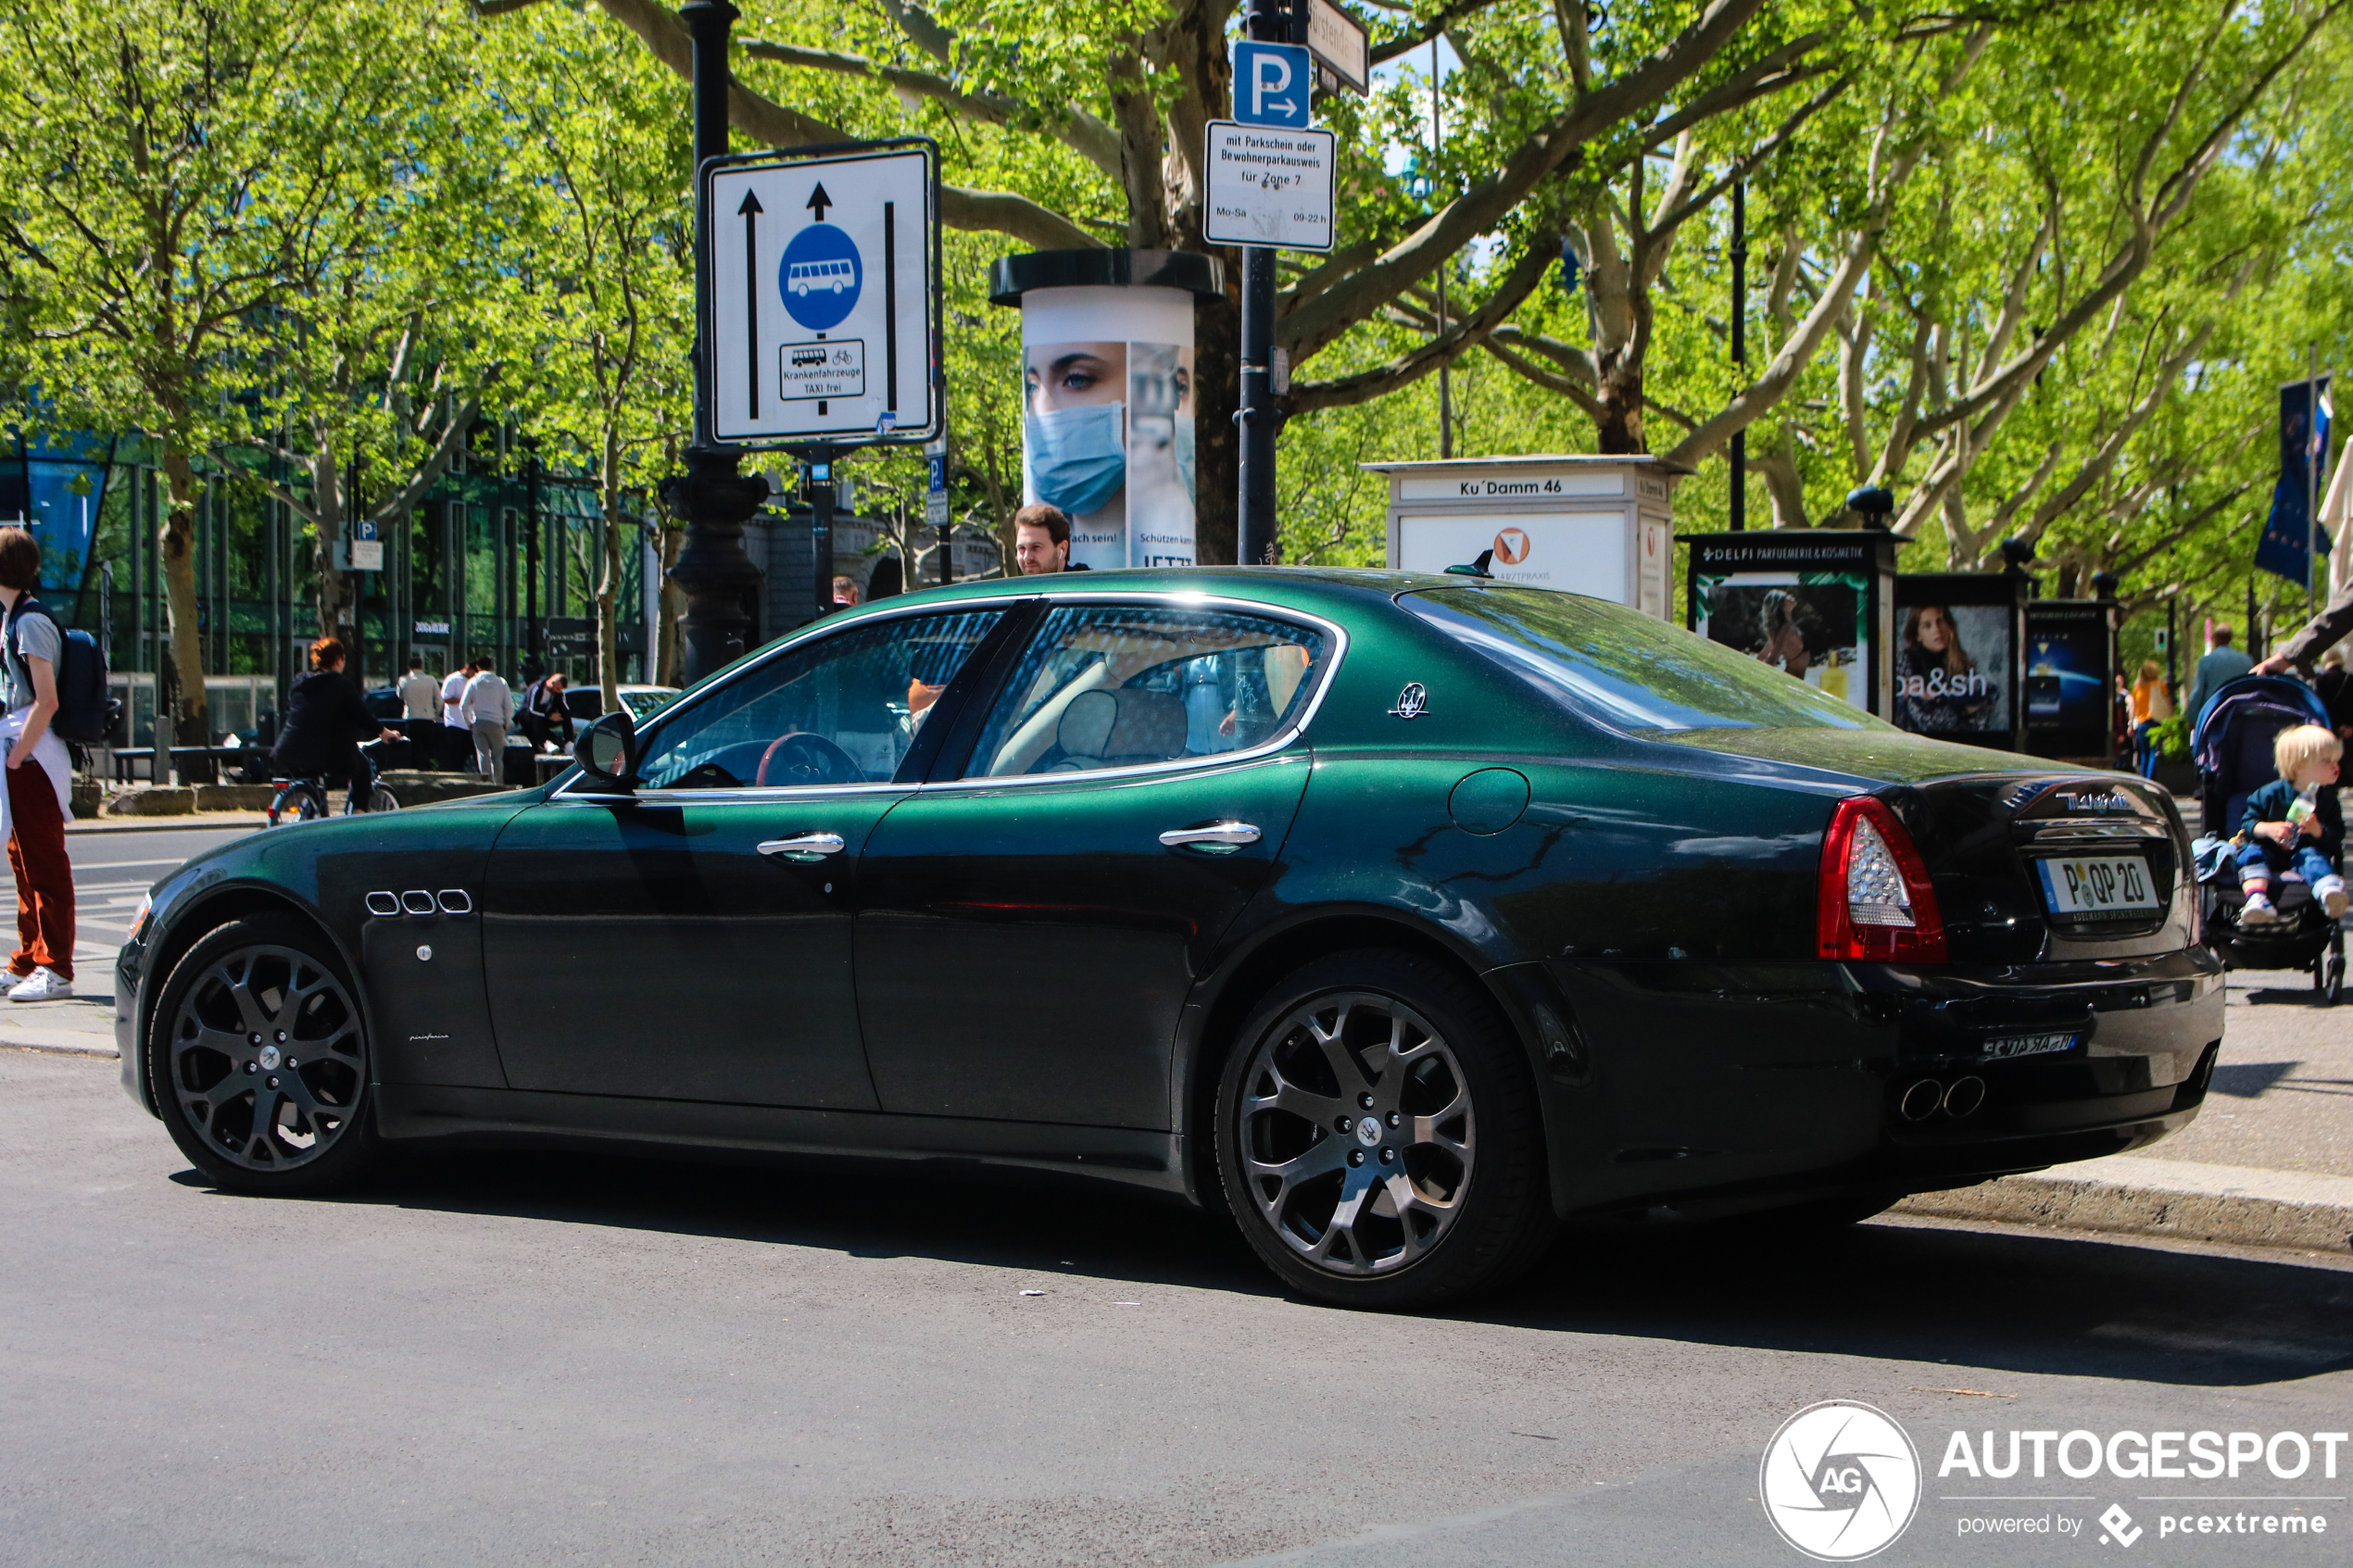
<point>1120,728</point>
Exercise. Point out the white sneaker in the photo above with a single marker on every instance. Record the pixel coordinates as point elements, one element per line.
<point>42,986</point>
<point>2258,911</point>
<point>2330,891</point>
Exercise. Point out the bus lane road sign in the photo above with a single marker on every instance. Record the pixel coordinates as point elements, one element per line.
<point>1269,187</point>
<point>821,293</point>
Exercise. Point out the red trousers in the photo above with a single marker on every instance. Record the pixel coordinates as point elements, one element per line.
<point>44,877</point>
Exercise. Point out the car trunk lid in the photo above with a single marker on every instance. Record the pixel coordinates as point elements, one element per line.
<point>2029,865</point>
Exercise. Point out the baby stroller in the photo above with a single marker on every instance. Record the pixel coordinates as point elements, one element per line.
<point>2232,749</point>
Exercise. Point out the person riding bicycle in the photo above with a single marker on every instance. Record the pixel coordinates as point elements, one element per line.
<point>325,723</point>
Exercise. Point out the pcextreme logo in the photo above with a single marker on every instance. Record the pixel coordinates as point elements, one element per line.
<point>1841,1481</point>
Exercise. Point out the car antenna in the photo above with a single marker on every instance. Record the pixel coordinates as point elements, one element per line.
<point>1475,569</point>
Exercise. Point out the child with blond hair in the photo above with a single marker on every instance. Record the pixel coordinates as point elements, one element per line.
<point>2293,824</point>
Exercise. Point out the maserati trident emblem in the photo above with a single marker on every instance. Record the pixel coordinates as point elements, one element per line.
<point>1412,702</point>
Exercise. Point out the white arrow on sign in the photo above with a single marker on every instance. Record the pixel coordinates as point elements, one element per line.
<point>823,294</point>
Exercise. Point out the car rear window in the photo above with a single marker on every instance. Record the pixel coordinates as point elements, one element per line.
<point>1625,669</point>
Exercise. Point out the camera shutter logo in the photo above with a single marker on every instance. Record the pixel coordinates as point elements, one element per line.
<point>1511,546</point>
<point>1841,1481</point>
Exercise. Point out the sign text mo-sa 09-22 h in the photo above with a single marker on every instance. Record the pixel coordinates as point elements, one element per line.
<point>822,293</point>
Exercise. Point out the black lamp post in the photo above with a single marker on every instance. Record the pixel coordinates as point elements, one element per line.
<point>713,495</point>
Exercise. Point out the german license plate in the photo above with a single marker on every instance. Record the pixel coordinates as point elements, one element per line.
<point>2101,887</point>
<point>2027,1045</point>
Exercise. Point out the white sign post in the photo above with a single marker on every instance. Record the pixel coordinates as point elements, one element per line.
<point>1269,186</point>
<point>822,293</point>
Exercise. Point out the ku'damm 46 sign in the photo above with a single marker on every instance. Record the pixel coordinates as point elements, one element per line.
<point>821,291</point>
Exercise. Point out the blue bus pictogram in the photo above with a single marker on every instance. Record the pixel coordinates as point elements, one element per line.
<point>820,276</point>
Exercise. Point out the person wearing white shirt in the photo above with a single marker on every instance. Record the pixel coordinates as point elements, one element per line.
<point>488,707</point>
<point>419,712</point>
<point>453,696</point>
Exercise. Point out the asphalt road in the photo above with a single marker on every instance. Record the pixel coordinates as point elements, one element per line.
<point>561,1359</point>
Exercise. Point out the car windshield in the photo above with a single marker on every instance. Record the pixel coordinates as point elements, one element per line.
<point>1625,669</point>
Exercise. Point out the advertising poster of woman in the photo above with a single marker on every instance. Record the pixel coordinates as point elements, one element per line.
<point>1108,438</point>
<point>1956,656</point>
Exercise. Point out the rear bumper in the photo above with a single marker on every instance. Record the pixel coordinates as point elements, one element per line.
<point>1742,1087</point>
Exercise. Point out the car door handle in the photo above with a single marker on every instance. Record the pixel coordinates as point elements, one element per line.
<point>1216,836</point>
<point>804,845</point>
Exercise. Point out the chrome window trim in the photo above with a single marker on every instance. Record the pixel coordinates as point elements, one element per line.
<point>824,626</point>
<point>1267,748</point>
<point>1171,598</point>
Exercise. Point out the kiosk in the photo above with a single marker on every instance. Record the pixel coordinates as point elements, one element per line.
<point>1818,603</point>
<point>1599,526</point>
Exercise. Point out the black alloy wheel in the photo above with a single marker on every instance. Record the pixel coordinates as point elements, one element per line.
<point>1378,1138</point>
<point>257,1058</point>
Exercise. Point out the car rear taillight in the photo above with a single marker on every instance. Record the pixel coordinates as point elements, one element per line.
<point>1876,902</point>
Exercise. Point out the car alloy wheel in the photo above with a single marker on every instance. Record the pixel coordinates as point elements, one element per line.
<point>265,1059</point>
<point>1378,1136</point>
<point>1358,1136</point>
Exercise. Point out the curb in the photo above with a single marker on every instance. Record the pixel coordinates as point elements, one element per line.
<point>195,821</point>
<point>58,1042</point>
<point>2177,1198</point>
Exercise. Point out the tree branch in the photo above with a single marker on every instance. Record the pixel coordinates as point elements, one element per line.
<point>664,37</point>
<point>1467,332</point>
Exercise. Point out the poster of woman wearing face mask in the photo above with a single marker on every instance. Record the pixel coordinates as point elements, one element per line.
<point>1108,438</point>
<point>1107,419</point>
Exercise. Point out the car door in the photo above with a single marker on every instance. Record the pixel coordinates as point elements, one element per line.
<point>1033,919</point>
<point>692,940</point>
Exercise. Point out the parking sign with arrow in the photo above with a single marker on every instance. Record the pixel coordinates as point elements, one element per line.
<point>1272,84</point>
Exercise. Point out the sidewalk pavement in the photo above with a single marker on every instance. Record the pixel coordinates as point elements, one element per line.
<point>2269,1161</point>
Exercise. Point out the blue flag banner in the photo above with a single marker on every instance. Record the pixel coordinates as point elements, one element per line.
<point>2284,549</point>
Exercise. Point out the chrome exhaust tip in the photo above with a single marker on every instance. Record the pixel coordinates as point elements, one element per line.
<point>1919,1102</point>
<point>1964,1097</point>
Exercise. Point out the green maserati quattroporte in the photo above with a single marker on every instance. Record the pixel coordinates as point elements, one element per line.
<point>1403,917</point>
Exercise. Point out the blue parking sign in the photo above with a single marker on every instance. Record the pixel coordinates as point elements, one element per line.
<point>1271,84</point>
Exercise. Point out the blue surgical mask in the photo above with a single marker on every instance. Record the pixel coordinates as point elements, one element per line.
<point>1185,456</point>
<point>1077,456</point>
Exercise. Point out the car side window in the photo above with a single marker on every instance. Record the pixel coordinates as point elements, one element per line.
<point>839,711</point>
<point>1119,686</point>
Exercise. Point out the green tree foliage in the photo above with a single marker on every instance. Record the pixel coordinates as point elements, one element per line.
<point>598,168</point>
<point>181,176</point>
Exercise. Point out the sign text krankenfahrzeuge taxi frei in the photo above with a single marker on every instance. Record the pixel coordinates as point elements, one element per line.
<point>822,290</point>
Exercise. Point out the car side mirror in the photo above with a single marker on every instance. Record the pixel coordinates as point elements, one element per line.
<point>607,751</point>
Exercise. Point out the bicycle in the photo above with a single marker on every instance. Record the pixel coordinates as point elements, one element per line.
<point>305,799</point>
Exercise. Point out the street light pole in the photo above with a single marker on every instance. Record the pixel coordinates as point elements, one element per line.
<point>713,496</point>
<point>1739,498</point>
<point>1257,542</point>
<point>1445,368</point>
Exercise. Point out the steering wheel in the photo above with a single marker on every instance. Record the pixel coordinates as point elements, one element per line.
<point>801,758</point>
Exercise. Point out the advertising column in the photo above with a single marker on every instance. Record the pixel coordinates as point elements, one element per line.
<point>1107,396</point>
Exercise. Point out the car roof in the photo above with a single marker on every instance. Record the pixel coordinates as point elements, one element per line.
<point>1295,587</point>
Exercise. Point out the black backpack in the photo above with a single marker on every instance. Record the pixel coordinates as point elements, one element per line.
<point>87,712</point>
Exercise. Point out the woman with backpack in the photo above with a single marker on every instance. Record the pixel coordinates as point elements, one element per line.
<point>40,781</point>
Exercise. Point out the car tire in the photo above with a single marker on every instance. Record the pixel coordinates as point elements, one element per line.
<point>1437,1190</point>
<point>260,1023</point>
